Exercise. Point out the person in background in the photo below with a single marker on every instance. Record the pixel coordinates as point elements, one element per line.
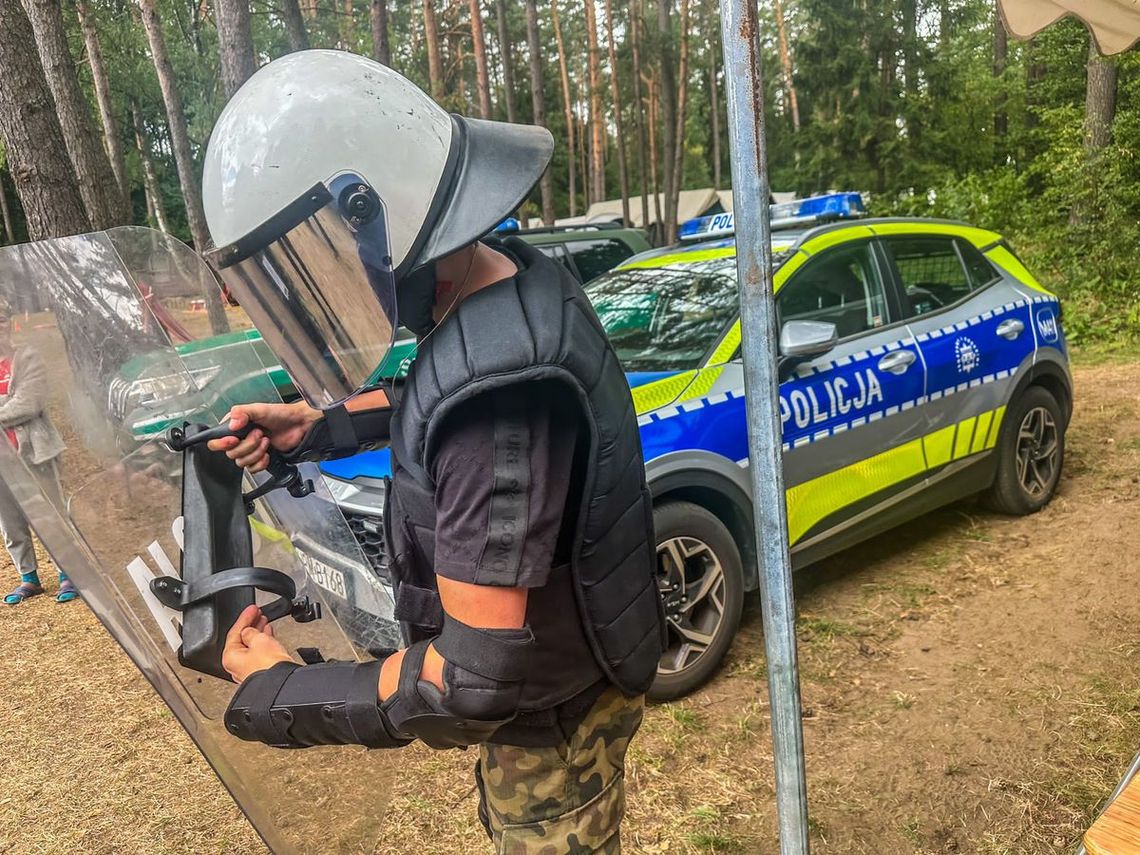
<point>24,420</point>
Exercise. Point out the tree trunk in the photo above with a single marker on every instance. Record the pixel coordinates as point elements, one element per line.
<point>482,78</point>
<point>568,108</point>
<point>235,43</point>
<point>597,155</point>
<point>294,25</point>
<point>667,105</point>
<point>1001,56</point>
<point>534,48</point>
<point>309,9</point>
<point>786,64</point>
<point>455,40</point>
<point>150,180</point>
<point>910,47</point>
<point>682,100</point>
<point>6,212</point>
<point>623,172</point>
<point>655,186</point>
<point>714,108</point>
<point>97,187</point>
<point>111,140</point>
<point>1100,100</point>
<point>639,106</point>
<point>180,143</point>
<point>435,63</point>
<point>33,138</point>
<point>381,47</point>
<point>588,197</point>
<point>505,55</point>
<point>348,26</point>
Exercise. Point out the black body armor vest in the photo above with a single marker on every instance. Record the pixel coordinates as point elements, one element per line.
<point>537,325</point>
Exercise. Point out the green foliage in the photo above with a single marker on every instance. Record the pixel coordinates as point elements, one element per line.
<point>1072,215</point>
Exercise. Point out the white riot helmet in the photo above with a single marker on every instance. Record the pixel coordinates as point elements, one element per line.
<point>328,180</point>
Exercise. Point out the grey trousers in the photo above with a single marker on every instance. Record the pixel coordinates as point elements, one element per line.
<point>13,523</point>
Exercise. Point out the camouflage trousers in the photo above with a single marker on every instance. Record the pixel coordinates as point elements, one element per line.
<point>565,800</point>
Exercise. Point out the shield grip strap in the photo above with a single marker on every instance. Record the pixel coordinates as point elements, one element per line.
<point>301,706</point>
<point>483,680</point>
<point>179,595</point>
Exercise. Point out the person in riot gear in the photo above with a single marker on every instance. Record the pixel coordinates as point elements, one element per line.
<point>344,203</point>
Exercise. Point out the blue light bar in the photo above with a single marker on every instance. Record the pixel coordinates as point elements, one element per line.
<point>801,212</point>
<point>510,224</point>
<point>702,228</point>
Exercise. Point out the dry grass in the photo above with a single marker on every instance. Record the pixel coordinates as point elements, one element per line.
<point>969,684</point>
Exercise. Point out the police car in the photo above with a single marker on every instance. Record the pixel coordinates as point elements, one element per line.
<point>920,363</point>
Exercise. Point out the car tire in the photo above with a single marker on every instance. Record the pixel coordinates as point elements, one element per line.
<point>696,554</point>
<point>1031,452</point>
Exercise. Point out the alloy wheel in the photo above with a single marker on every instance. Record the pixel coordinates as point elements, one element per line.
<point>1037,451</point>
<point>691,580</point>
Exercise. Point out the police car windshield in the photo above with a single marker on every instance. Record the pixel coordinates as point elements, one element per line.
<point>665,318</point>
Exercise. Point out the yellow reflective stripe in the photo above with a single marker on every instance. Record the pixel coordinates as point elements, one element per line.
<point>788,268</point>
<point>981,432</point>
<point>727,346</point>
<point>815,500</point>
<point>690,256</point>
<point>964,437</point>
<point>830,239</point>
<point>1008,262</point>
<point>268,532</point>
<point>660,392</point>
<point>705,379</point>
<point>995,428</point>
<point>939,446</point>
<point>978,237</point>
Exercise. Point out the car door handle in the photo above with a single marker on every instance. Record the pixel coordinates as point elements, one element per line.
<point>1010,329</point>
<point>897,362</point>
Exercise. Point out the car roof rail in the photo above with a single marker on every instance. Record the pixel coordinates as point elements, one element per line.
<point>878,221</point>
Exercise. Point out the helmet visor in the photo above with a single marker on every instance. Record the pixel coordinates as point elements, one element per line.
<point>317,282</point>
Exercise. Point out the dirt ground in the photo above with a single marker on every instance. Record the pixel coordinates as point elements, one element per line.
<point>971,683</point>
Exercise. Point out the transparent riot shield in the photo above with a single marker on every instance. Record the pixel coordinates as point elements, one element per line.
<point>126,334</point>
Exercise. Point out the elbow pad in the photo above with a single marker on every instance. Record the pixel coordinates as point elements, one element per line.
<point>300,706</point>
<point>483,679</point>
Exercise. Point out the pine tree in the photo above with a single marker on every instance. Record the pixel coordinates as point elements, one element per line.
<point>33,138</point>
<point>104,203</point>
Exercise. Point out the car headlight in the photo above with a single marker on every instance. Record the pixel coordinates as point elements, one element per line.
<point>151,391</point>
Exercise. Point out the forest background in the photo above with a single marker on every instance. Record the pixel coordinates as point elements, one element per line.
<point>926,106</point>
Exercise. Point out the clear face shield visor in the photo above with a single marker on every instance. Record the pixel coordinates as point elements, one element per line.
<point>317,281</point>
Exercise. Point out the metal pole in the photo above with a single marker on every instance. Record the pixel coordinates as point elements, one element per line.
<point>740,31</point>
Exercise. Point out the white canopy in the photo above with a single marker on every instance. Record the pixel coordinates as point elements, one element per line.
<point>1115,24</point>
<point>692,203</point>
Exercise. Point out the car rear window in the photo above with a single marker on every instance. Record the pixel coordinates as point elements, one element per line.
<point>662,319</point>
<point>938,271</point>
<point>597,256</point>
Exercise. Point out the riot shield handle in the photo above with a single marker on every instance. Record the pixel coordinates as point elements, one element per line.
<point>178,595</point>
<point>282,473</point>
<point>217,581</point>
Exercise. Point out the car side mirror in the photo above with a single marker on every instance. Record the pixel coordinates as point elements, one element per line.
<point>804,340</point>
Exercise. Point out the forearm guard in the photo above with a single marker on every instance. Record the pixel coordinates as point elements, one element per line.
<point>340,433</point>
<point>483,679</point>
<point>300,706</point>
<point>336,703</point>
